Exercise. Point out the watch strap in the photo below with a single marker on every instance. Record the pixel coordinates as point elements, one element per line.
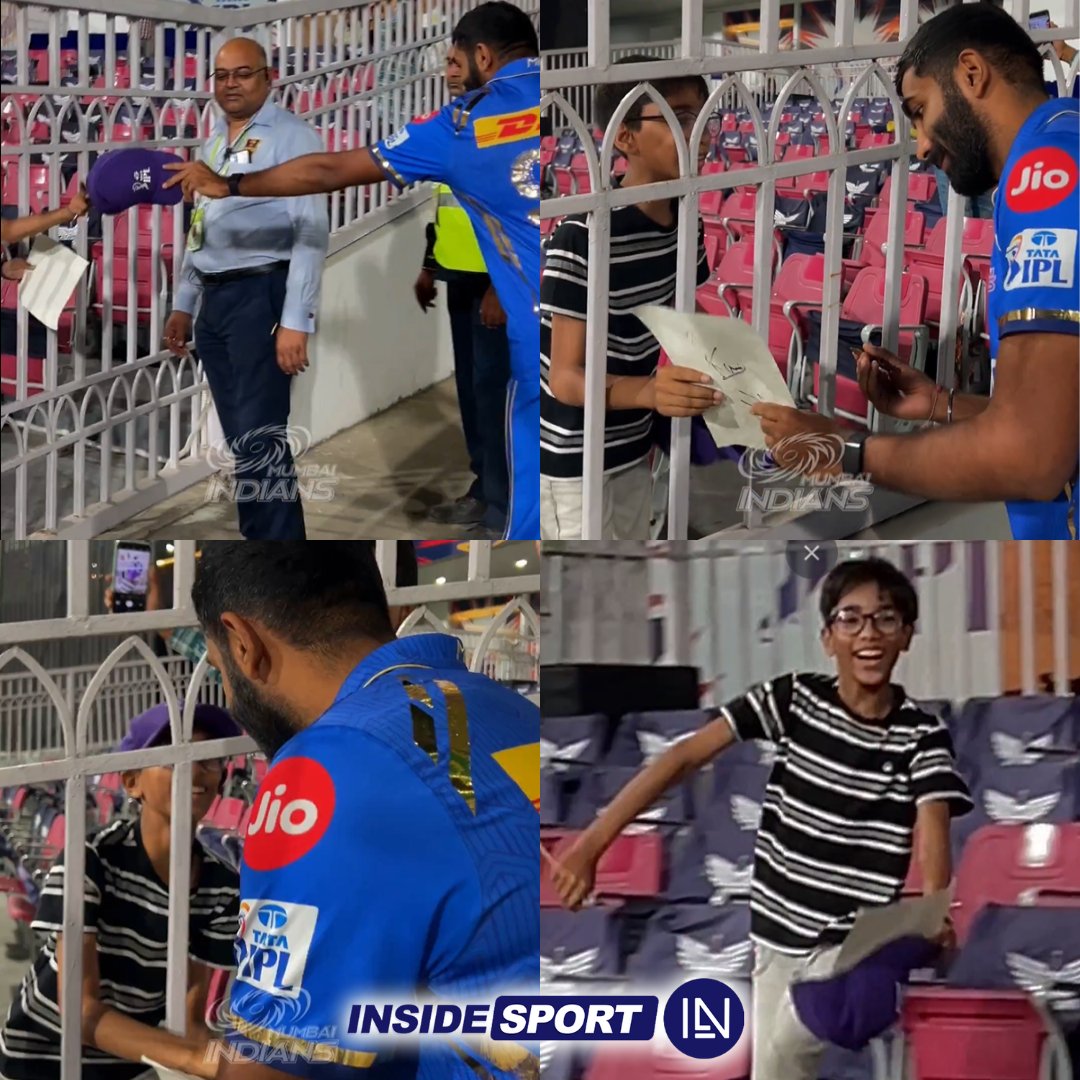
<point>234,183</point>
<point>851,461</point>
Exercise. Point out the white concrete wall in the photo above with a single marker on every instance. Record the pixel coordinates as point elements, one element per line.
<point>373,345</point>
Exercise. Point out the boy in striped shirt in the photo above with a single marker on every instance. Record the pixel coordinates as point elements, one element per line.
<point>858,766</point>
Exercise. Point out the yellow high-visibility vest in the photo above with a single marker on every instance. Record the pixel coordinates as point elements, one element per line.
<point>455,241</point>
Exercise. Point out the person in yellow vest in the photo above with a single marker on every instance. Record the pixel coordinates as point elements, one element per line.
<point>481,350</point>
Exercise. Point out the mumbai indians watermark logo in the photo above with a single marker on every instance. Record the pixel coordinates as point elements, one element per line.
<point>805,485</point>
<point>262,465</point>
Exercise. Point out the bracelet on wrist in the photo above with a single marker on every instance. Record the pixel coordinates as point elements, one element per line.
<point>933,405</point>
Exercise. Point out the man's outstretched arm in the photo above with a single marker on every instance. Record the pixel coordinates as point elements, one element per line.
<point>307,175</point>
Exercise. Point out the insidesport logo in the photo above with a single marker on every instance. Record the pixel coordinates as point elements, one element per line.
<point>702,1018</point>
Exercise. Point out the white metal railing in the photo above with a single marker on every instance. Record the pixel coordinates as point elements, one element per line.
<point>99,411</point>
<point>30,727</point>
<point>78,759</point>
<point>994,616</point>
<point>767,73</point>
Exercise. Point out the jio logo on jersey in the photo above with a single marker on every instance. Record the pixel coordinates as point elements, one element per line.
<point>292,812</point>
<point>1041,179</point>
<point>273,943</point>
<point>1042,258</point>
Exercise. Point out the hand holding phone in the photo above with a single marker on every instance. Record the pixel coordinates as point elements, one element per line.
<point>131,577</point>
<point>1039,20</point>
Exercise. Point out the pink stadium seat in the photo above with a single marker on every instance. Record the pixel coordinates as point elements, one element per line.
<point>972,1035</point>
<point>631,867</point>
<point>801,278</point>
<point>648,1063</point>
<point>865,303</point>
<point>226,814</point>
<point>877,235</point>
<point>958,1034</point>
<point>579,171</point>
<point>1017,864</point>
<point>735,268</point>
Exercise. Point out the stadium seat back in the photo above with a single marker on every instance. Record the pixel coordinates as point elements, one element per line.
<point>1017,865</point>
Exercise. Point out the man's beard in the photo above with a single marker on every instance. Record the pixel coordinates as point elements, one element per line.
<point>963,135</point>
<point>269,725</point>
<point>473,80</point>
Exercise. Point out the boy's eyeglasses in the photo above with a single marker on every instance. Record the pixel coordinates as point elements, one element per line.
<point>850,623</point>
<point>686,120</point>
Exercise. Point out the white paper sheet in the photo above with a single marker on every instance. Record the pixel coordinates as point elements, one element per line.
<point>921,916</point>
<point>740,364</point>
<point>48,287</point>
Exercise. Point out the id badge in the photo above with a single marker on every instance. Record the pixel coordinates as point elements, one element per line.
<point>196,230</point>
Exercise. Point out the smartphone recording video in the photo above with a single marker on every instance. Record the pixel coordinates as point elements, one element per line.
<point>131,577</point>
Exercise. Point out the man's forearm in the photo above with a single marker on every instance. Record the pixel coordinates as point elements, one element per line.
<point>965,406</point>
<point>967,461</point>
<point>313,174</point>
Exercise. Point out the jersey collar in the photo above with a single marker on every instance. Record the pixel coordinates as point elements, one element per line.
<point>529,65</point>
<point>416,650</point>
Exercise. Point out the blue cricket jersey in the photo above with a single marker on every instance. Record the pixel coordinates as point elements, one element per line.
<point>392,849</point>
<point>486,146</point>
<point>1034,271</point>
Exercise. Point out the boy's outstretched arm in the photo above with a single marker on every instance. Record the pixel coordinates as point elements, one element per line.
<point>576,874</point>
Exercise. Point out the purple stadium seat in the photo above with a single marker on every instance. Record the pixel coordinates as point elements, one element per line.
<point>603,784</point>
<point>1010,795</point>
<point>695,941</point>
<point>578,945</point>
<point>711,864</point>
<point>642,737</point>
<point>569,741</point>
<point>1017,731</point>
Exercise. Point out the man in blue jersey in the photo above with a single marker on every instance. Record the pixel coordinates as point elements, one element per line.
<point>392,845</point>
<point>971,81</point>
<point>486,147</point>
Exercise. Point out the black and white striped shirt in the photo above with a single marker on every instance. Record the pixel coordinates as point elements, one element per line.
<point>839,807</point>
<point>127,908</point>
<point>642,271</point>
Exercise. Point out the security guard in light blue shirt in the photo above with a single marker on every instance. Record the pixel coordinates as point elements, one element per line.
<point>253,268</point>
<point>486,146</point>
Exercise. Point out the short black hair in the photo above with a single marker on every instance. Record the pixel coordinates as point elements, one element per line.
<point>937,44</point>
<point>314,594</point>
<point>502,27</point>
<point>851,573</point>
<point>609,95</point>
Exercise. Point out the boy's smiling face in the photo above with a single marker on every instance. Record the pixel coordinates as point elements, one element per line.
<point>650,145</point>
<point>866,649</point>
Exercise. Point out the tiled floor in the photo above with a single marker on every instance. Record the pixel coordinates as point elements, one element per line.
<point>385,473</point>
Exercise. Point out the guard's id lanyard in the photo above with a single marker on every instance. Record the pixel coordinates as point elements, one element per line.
<point>197,229</point>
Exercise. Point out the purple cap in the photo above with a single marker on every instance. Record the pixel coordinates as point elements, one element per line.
<point>209,719</point>
<point>860,1004</point>
<point>121,179</point>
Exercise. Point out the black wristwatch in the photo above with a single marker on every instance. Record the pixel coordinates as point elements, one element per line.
<point>234,183</point>
<point>851,461</point>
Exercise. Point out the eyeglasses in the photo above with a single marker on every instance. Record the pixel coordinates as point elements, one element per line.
<point>686,120</point>
<point>244,74</point>
<point>849,623</point>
